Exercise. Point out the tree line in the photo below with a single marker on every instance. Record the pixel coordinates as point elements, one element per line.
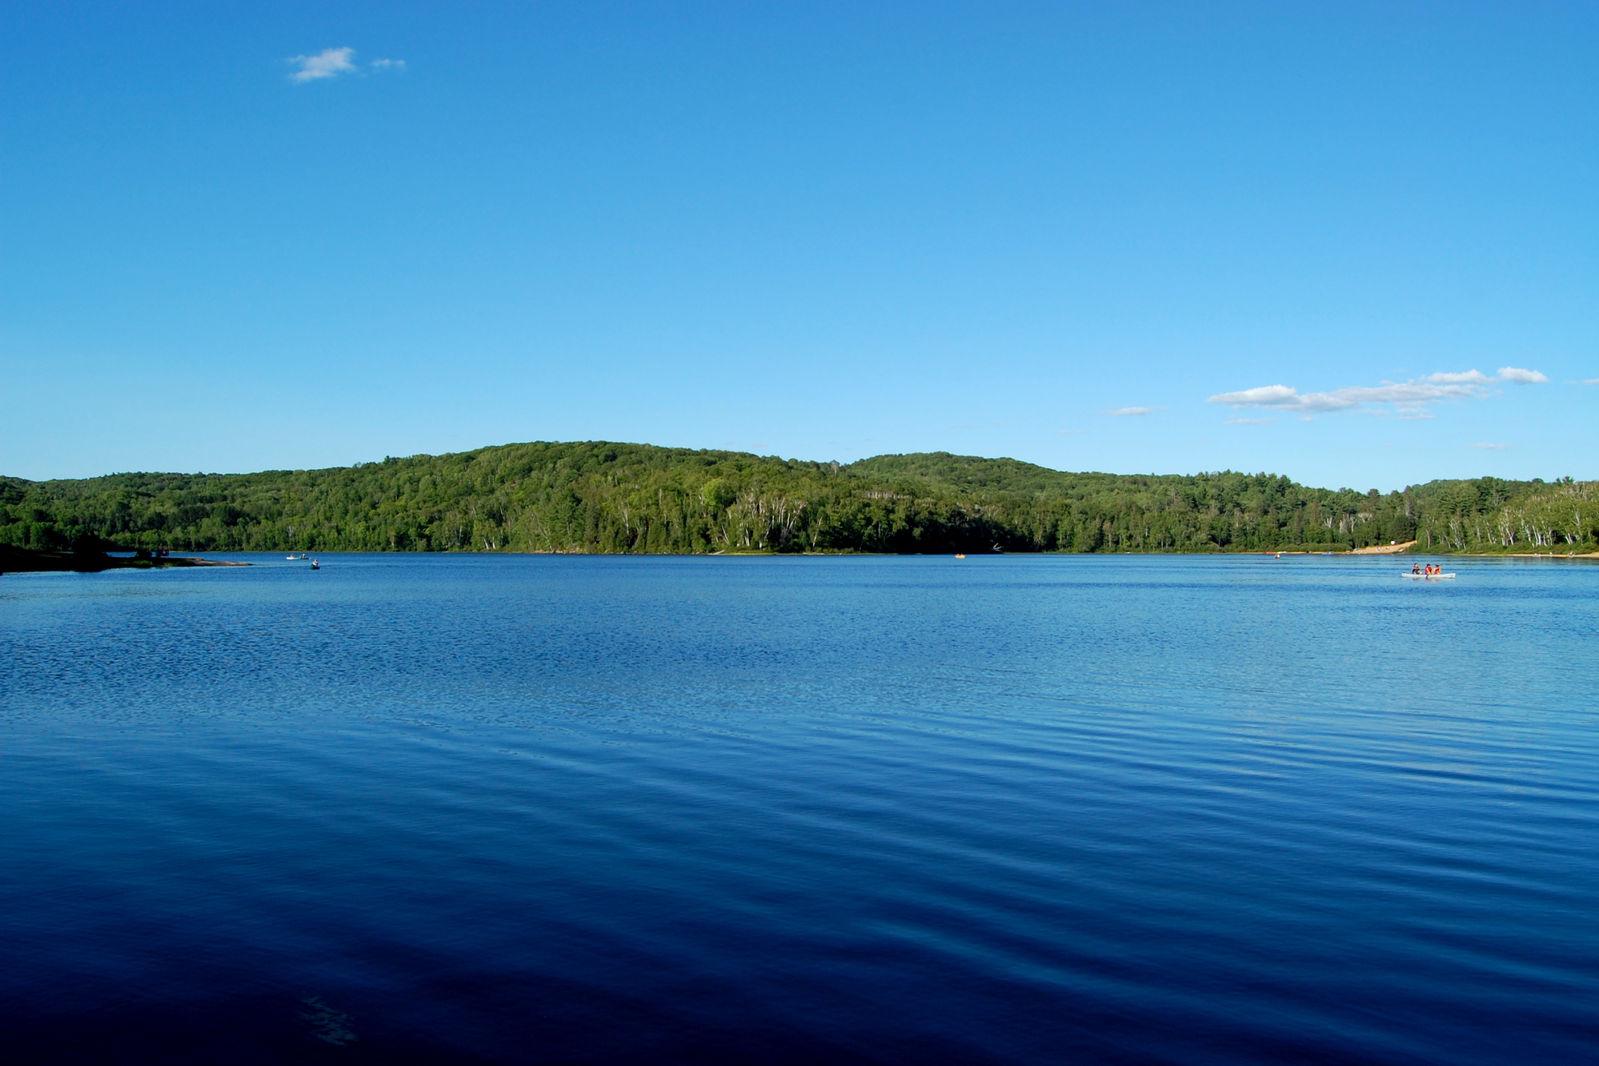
<point>604,497</point>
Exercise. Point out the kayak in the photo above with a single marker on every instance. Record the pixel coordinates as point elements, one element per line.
<point>1430,577</point>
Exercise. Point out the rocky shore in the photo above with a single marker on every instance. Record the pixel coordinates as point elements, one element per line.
<point>25,561</point>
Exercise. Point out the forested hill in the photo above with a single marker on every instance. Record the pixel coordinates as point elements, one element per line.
<point>602,497</point>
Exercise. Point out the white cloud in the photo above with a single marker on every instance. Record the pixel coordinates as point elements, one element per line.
<point>1249,421</point>
<point>1477,377</point>
<point>328,63</point>
<point>1487,447</point>
<point>1260,396</point>
<point>1128,412</point>
<point>1407,399</point>
<point>1590,381</point>
<point>1461,377</point>
<point>336,62</point>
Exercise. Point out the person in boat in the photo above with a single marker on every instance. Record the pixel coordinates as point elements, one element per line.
<point>1415,568</point>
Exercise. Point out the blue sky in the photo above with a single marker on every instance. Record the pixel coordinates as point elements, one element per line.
<point>1124,237</point>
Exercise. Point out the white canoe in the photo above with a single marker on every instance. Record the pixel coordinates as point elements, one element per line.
<point>1430,577</point>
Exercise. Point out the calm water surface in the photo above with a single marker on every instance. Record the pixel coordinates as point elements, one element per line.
<point>564,809</point>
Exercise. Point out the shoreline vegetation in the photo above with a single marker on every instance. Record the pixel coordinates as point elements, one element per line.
<point>606,498</point>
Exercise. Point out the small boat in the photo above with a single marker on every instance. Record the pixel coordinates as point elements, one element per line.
<point>960,555</point>
<point>1430,577</point>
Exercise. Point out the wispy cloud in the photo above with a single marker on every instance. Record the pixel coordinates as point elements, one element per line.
<point>1408,399</point>
<point>1590,381</point>
<point>1131,412</point>
<point>1260,396</point>
<point>335,63</point>
<point>328,63</point>
<point>1477,377</point>
<point>1490,447</point>
<point>1459,377</point>
<point>1249,421</point>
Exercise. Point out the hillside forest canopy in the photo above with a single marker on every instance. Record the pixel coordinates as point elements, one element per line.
<point>605,497</point>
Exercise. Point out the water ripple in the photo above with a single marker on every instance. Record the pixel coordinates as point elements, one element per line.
<point>592,810</point>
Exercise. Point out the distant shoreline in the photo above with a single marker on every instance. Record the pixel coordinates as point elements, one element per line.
<point>1384,549</point>
<point>24,561</point>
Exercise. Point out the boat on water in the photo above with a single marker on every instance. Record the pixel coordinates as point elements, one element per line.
<point>1430,577</point>
<point>295,557</point>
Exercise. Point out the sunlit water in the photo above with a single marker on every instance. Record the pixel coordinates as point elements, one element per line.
<point>1011,809</point>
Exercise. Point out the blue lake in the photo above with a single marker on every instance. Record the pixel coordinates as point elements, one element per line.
<point>1007,809</point>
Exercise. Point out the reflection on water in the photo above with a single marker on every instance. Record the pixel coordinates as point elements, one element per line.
<point>1004,809</point>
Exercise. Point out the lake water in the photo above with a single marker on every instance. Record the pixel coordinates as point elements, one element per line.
<point>1007,809</point>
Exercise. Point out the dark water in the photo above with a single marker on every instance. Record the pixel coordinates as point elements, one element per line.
<point>1011,809</point>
